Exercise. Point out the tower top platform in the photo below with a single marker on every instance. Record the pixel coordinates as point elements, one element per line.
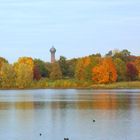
<point>52,50</point>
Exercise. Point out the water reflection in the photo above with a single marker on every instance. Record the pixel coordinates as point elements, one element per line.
<point>87,101</point>
<point>69,113</point>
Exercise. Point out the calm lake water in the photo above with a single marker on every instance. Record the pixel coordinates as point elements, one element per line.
<point>58,114</point>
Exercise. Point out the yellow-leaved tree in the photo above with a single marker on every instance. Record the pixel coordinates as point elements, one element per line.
<point>7,76</point>
<point>80,72</point>
<point>24,72</point>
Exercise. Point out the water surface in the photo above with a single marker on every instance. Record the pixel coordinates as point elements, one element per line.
<point>57,114</point>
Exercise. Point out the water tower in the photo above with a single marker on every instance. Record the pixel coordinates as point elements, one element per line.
<point>53,51</point>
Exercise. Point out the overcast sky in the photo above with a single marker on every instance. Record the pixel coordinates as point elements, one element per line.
<point>75,27</point>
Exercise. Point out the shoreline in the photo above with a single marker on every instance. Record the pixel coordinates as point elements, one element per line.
<point>111,86</point>
<point>71,89</point>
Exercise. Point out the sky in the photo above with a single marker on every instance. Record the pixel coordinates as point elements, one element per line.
<point>75,27</point>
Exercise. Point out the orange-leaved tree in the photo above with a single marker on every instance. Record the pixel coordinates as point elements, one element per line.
<point>105,72</point>
<point>137,64</point>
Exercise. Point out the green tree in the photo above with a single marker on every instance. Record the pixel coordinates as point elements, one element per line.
<point>7,76</point>
<point>64,66</point>
<point>121,69</point>
<point>95,55</point>
<point>71,67</point>
<point>55,72</point>
<point>109,54</point>
<point>42,67</point>
<point>123,55</point>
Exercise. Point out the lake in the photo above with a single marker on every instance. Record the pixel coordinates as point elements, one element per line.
<point>59,114</point>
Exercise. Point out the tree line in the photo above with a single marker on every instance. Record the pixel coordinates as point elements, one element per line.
<point>93,69</point>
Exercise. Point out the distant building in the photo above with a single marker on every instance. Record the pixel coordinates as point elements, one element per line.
<point>53,51</point>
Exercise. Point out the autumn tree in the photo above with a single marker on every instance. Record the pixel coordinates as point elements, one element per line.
<point>27,60</point>
<point>132,72</point>
<point>55,72</point>
<point>137,64</point>
<point>82,63</point>
<point>2,61</point>
<point>105,72</point>
<point>24,76</point>
<point>7,76</point>
<point>24,72</point>
<point>94,61</point>
<point>83,70</point>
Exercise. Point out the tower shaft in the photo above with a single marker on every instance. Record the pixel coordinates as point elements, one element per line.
<point>52,57</point>
<point>52,51</point>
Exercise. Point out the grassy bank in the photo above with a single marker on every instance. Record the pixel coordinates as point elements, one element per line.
<point>66,84</point>
<point>118,85</point>
<point>74,84</point>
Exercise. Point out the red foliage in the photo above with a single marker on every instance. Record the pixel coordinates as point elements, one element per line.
<point>37,75</point>
<point>132,72</point>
